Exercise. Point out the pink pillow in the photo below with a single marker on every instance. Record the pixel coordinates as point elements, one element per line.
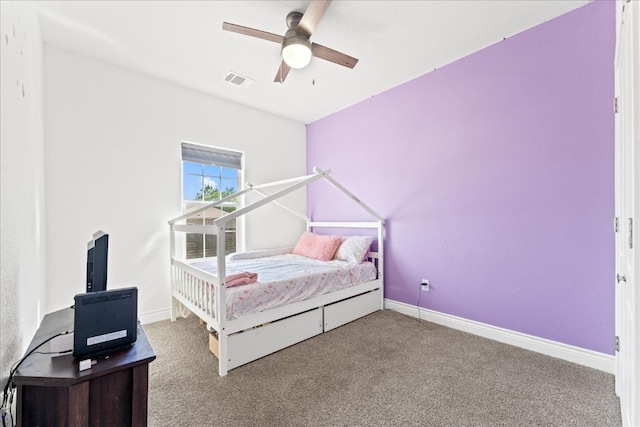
<point>317,246</point>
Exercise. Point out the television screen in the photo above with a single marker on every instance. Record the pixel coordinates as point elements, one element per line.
<point>97,252</point>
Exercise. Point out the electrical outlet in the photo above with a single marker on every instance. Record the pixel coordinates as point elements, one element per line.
<point>425,285</point>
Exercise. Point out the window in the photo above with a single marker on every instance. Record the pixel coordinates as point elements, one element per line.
<point>209,174</point>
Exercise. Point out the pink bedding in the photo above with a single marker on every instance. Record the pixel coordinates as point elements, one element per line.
<point>284,279</point>
<point>242,278</point>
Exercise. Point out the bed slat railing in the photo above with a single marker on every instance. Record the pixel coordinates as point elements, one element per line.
<point>194,285</point>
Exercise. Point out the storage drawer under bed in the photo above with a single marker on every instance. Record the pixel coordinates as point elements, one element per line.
<point>246,346</point>
<point>348,310</point>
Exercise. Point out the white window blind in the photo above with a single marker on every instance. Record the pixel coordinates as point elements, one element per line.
<point>213,156</point>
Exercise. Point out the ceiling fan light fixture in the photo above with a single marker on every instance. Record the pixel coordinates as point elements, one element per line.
<point>296,50</point>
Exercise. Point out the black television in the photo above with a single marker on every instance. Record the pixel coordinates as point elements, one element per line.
<point>97,253</point>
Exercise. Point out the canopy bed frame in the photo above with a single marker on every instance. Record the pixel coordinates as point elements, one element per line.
<point>241,340</point>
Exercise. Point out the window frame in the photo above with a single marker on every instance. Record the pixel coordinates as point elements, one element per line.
<point>228,157</point>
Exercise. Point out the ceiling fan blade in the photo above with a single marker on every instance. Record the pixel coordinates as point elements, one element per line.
<point>315,11</point>
<point>334,56</point>
<point>282,73</point>
<point>252,32</point>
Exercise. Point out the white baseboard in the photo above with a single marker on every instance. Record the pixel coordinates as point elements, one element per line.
<point>155,316</point>
<point>592,359</point>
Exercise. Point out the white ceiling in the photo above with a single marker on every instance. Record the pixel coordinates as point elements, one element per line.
<point>183,42</point>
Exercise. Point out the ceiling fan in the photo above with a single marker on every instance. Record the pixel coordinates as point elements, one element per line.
<point>296,48</point>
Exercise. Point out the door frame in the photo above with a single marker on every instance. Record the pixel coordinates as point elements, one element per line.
<point>627,206</point>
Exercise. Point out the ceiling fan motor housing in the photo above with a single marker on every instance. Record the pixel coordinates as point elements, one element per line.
<point>296,48</point>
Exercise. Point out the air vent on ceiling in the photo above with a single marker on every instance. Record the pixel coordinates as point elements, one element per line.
<point>237,79</point>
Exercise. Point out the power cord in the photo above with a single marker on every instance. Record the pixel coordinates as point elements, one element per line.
<point>54,352</point>
<point>8,390</point>
<point>418,303</point>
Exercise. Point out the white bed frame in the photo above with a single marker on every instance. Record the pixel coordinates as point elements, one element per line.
<point>243,340</point>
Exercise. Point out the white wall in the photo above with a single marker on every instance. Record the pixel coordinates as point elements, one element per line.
<point>113,163</point>
<point>22,208</point>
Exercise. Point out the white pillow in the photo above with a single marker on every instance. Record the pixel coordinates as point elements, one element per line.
<point>353,249</point>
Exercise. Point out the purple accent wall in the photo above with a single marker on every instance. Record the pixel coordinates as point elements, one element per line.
<point>496,176</point>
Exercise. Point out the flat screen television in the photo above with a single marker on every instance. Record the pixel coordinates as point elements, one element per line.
<point>97,253</point>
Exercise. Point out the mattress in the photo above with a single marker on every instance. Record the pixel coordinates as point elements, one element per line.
<point>285,279</point>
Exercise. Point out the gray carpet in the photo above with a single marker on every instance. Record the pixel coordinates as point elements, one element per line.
<point>386,369</point>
